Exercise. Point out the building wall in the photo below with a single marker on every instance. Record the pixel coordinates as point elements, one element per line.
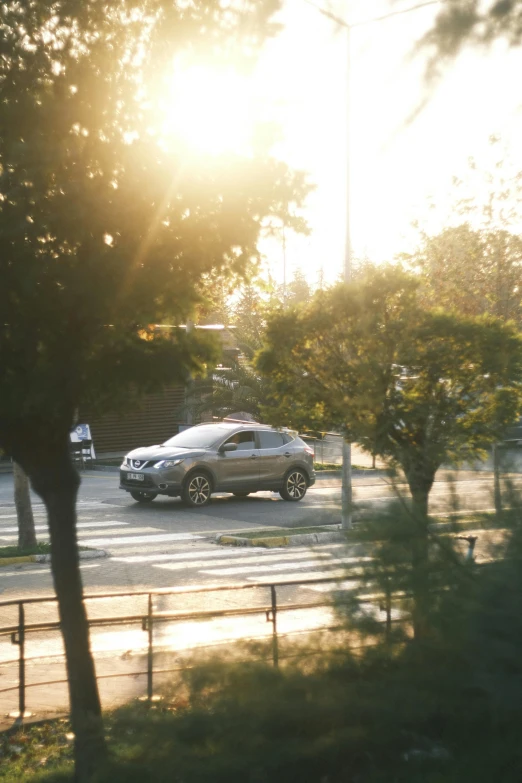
<point>154,419</point>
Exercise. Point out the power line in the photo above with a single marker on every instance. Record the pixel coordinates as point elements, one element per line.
<point>389,15</point>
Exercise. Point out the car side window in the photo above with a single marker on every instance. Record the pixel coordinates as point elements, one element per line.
<point>270,440</point>
<point>244,440</point>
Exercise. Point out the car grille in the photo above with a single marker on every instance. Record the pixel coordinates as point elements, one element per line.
<point>139,464</point>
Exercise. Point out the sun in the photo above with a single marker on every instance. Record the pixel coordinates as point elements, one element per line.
<point>208,109</point>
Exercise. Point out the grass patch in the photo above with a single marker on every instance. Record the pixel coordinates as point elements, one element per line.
<point>41,548</point>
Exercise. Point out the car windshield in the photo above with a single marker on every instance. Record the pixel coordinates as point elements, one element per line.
<point>197,437</point>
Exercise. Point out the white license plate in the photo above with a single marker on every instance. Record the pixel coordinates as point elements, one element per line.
<point>135,476</point>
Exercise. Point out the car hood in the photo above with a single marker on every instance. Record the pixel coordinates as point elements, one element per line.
<point>162,452</point>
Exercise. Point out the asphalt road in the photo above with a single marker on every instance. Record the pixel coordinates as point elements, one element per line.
<point>144,541</point>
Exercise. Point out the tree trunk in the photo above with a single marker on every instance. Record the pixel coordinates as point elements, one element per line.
<point>56,481</point>
<point>420,484</point>
<point>497,492</point>
<point>24,510</point>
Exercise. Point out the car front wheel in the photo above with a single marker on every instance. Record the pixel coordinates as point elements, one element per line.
<point>197,490</point>
<point>295,486</point>
<point>143,497</point>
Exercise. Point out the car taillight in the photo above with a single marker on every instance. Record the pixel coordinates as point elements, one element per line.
<point>310,451</point>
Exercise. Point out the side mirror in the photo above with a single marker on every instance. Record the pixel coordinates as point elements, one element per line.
<point>227,447</point>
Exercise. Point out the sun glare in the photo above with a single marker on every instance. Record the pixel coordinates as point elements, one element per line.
<point>208,109</point>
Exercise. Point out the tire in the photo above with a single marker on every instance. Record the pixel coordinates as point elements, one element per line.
<point>241,494</point>
<point>197,490</point>
<point>143,497</point>
<point>295,485</point>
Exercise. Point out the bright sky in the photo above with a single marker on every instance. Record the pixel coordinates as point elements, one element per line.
<point>399,165</point>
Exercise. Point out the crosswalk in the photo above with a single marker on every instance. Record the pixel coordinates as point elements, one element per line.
<point>191,557</point>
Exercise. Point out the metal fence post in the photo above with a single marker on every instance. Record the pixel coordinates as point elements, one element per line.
<point>19,639</point>
<point>21,660</point>
<point>150,649</point>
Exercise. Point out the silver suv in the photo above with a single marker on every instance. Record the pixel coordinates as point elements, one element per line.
<point>222,457</point>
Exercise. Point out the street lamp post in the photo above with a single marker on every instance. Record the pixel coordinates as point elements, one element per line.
<point>347,494</point>
<point>346,516</point>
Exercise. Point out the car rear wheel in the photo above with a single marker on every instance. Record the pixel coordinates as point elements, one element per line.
<point>241,494</point>
<point>197,490</point>
<point>143,497</point>
<point>295,486</point>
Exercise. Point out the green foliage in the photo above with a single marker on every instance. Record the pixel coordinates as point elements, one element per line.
<point>473,22</point>
<point>105,228</point>
<point>415,386</point>
<point>227,391</point>
<point>41,548</point>
<point>238,387</point>
<point>474,272</point>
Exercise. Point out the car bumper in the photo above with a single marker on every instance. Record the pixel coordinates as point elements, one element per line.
<point>152,482</point>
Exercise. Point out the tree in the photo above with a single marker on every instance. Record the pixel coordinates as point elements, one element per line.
<point>473,22</point>
<point>24,509</point>
<point>475,272</point>
<point>420,387</point>
<point>237,386</point>
<point>472,271</point>
<point>248,318</point>
<point>106,229</point>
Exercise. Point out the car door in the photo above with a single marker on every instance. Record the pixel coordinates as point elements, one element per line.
<point>274,457</point>
<point>239,469</point>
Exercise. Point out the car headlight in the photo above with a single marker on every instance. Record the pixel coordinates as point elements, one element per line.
<point>125,463</point>
<point>168,463</point>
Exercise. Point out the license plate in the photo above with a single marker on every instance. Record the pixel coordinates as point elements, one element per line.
<point>135,476</point>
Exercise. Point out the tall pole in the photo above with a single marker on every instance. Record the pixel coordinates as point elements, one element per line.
<point>346,502</point>
<point>284,268</point>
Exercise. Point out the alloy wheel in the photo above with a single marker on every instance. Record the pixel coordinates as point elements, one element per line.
<point>198,490</point>
<point>295,486</point>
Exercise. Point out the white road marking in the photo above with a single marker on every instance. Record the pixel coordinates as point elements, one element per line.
<point>123,541</point>
<point>277,578</point>
<point>109,533</point>
<point>82,533</point>
<point>272,567</point>
<point>236,553</point>
<point>32,571</point>
<point>286,556</point>
<point>79,526</point>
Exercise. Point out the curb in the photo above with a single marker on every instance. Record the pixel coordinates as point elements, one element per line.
<point>274,541</point>
<point>86,554</point>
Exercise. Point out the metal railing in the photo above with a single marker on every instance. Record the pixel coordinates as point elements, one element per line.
<point>148,620</point>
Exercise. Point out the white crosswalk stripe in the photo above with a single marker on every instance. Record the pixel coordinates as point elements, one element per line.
<point>100,543</point>
<point>157,548</point>
<point>80,526</point>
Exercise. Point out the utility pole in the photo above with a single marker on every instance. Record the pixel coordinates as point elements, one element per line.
<point>346,516</point>
<point>347,494</point>
<point>284,266</point>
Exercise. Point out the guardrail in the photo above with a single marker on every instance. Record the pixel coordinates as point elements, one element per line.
<point>148,620</point>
